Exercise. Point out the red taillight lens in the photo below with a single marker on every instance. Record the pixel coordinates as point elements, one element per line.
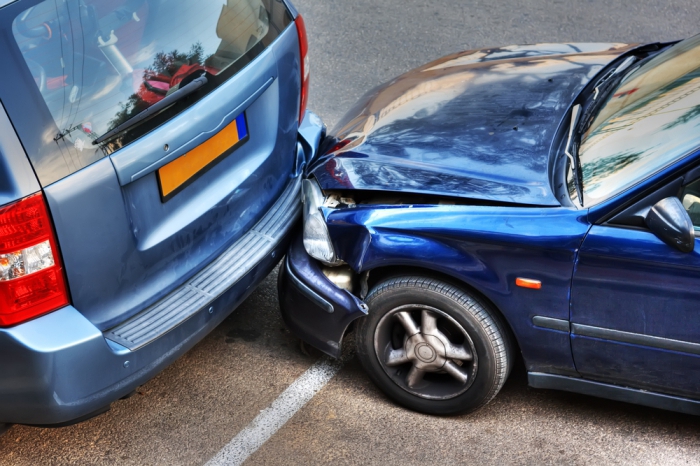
<point>31,276</point>
<point>303,54</point>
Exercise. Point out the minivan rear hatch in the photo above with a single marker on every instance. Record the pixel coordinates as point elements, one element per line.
<point>160,130</point>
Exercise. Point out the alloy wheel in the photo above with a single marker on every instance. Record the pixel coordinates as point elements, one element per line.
<point>425,352</point>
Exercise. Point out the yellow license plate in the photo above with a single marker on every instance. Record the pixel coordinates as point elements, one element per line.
<point>176,175</point>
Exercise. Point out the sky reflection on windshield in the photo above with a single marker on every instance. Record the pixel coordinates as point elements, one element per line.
<point>650,122</point>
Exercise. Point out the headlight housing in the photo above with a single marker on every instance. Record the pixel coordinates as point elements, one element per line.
<point>317,241</point>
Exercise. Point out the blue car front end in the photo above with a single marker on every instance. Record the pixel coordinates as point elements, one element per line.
<point>458,173</point>
<point>423,199</point>
<point>161,229</point>
<point>378,242</point>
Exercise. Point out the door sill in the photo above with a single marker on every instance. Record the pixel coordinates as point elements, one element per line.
<point>613,392</point>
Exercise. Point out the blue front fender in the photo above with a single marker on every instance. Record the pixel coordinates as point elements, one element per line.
<point>486,249</point>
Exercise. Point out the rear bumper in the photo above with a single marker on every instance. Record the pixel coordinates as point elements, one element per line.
<point>314,308</point>
<point>60,368</point>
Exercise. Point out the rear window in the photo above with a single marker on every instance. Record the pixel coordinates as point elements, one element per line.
<point>98,63</point>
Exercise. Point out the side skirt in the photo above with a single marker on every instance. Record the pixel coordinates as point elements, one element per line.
<point>613,392</point>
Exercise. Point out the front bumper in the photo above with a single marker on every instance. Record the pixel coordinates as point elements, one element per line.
<point>315,309</point>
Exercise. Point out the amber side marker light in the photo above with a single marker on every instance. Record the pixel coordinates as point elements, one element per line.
<point>528,283</point>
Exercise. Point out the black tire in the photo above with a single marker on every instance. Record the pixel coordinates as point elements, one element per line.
<point>4,428</point>
<point>432,389</point>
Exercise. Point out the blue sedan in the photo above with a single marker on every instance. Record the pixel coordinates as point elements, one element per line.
<point>536,202</point>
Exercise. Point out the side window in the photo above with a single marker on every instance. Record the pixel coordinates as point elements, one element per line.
<point>691,202</point>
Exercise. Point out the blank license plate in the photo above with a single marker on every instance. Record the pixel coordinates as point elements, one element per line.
<point>176,175</point>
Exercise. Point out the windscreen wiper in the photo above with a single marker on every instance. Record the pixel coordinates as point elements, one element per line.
<point>573,158</point>
<point>155,108</point>
<point>614,72</point>
<point>602,90</point>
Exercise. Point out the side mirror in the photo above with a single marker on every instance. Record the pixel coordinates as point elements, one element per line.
<point>668,220</point>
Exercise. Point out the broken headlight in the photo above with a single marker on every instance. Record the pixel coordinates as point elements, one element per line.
<point>317,241</point>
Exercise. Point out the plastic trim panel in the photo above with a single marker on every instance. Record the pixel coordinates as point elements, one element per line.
<point>613,392</point>
<point>635,338</point>
<point>551,323</point>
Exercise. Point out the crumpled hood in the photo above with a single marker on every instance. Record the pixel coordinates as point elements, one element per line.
<point>478,125</point>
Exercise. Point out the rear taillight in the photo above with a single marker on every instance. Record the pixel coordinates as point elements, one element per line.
<point>303,53</point>
<point>31,276</point>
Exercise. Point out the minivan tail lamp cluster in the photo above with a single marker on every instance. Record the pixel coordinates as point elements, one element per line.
<point>31,276</point>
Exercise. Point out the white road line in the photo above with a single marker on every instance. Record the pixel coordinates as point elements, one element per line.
<point>269,421</point>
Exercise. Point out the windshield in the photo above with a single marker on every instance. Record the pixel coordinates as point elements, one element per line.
<point>649,121</point>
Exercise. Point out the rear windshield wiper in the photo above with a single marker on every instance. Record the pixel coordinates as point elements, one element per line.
<point>573,158</point>
<point>155,108</point>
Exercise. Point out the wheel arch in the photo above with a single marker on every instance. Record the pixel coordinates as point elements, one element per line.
<point>382,273</point>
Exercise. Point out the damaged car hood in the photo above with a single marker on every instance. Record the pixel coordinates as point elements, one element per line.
<point>477,125</point>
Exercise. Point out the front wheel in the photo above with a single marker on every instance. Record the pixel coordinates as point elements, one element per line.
<point>432,347</point>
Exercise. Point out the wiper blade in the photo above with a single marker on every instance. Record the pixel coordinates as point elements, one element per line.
<point>155,108</point>
<point>614,72</point>
<point>603,89</point>
<point>601,94</point>
<point>573,158</point>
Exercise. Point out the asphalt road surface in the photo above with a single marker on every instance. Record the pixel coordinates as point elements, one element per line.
<point>194,409</point>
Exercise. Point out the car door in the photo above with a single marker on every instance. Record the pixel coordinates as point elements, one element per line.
<point>139,213</point>
<point>635,301</point>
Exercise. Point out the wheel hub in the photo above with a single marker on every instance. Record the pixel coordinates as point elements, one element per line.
<point>425,353</point>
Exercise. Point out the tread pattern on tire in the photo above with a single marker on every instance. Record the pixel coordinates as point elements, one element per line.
<point>489,320</point>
